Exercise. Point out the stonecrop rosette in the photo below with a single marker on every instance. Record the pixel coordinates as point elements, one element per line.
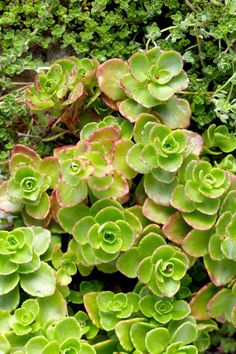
<point>102,232</point>
<point>156,264</point>
<point>218,139</point>
<point>154,76</point>
<point>162,309</point>
<point>20,263</point>
<point>138,336</point>
<point>147,82</point>
<point>66,82</point>
<point>106,309</point>
<point>198,194</point>
<point>96,165</point>
<point>30,179</point>
<point>158,154</point>
<point>217,245</point>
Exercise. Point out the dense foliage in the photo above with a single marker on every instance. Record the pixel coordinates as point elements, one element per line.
<point>117,212</point>
<point>139,195</point>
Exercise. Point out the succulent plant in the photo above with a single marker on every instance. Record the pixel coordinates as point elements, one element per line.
<point>88,329</point>
<point>217,245</point>
<point>198,193</point>
<point>105,230</point>
<point>228,163</point>
<point>212,302</point>
<point>31,177</point>
<point>66,82</point>
<point>162,309</point>
<point>65,265</point>
<point>106,309</point>
<point>138,336</point>
<point>63,337</point>
<point>76,297</point>
<point>149,80</point>
<point>156,264</point>
<point>158,153</point>
<point>125,127</point>
<point>218,137</point>
<point>20,251</point>
<point>95,164</point>
<point>23,321</point>
<point>154,76</point>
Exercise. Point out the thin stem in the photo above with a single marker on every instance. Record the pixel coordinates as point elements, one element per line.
<point>21,83</point>
<point>225,84</point>
<point>199,47</point>
<point>191,47</point>
<point>19,89</point>
<point>28,135</point>
<point>193,93</point>
<point>54,137</point>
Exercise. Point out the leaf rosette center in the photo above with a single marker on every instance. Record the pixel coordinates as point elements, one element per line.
<point>163,307</point>
<point>29,184</point>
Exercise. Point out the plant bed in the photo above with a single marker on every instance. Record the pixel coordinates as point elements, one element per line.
<point>122,240</point>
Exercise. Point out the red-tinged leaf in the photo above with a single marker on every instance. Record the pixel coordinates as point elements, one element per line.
<point>62,149</point>
<point>55,206</point>
<point>221,305</point>
<point>196,141</point>
<point>68,196</point>
<point>220,272</point>
<point>118,189</point>
<point>77,93</point>
<point>29,221</point>
<point>109,102</point>
<point>50,167</point>
<point>175,113</point>
<point>130,109</point>
<point>41,210</point>
<point>157,213</point>
<point>196,242</point>
<point>175,229</point>
<point>19,160</point>
<point>106,133</point>
<point>6,204</point>
<point>200,221</point>
<point>200,302</point>
<point>109,75</point>
<point>158,191</point>
<point>25,150</point>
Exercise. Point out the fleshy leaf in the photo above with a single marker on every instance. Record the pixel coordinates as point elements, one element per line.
<point>109,75</point>
<point>175,113</point>
<point>40,283</point>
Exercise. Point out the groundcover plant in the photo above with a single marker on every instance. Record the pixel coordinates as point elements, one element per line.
<point>111,231</point>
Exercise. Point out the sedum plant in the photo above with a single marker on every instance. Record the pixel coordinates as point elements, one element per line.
<point>88,166</point>
<point>30,179</point>
<point>146,83</point>
<point>68,81</point>
<point>102,232</point>
<point>63,337</point>
<point>219,137</point>
<point>139,202</point>
<point>156,264</point>
<point>141,337</point>
<point>202,186</point>
<point>163,310</point>
<point>21,252</point>
<point>23,321</point>
<point>106,309</point>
